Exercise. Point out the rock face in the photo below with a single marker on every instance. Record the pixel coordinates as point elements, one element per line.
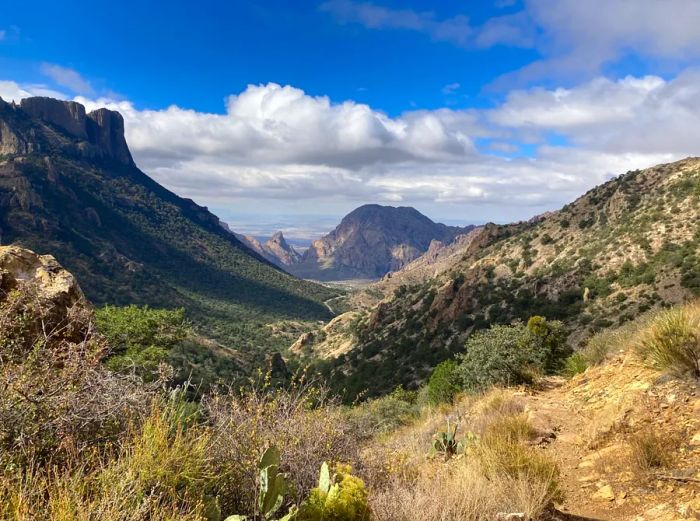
<point>55,287</point>
<point>372,241</point>
<point>276,250</point>
<point>97,135</point>
<point>279,247</point>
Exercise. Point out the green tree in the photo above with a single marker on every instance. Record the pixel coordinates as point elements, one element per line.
<point>140,338</point>
<point>546,340</point>
<point>444,383</point>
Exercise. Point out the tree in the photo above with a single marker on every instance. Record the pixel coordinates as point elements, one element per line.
<point>444,383</point>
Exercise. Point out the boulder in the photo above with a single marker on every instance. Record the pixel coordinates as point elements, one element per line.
<point>61,301</point>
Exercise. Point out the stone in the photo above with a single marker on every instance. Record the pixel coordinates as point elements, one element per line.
<point>60,296</point>
<point>604,493</point>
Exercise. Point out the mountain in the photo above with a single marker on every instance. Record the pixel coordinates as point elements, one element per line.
<point>625,247</point>
<point>371,241</point>
<point>69,187</point>
<point>276,249</point>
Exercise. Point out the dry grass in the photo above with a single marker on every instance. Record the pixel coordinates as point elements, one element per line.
<point>500,472</point>
<point>650,449</point>
<point>671,341</point>
<point>460,491</point>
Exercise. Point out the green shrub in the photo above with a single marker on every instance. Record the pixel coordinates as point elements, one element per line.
<point>140,337</point>
<point>444,383</point>
<point>575,364</point>
<point>494,357</point>
<point>512,355</point>
<point>342,497</point>
<point>546,340</point>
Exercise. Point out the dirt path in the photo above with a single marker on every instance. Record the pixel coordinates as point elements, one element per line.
<point>550,413</point>
<point>592,490</point>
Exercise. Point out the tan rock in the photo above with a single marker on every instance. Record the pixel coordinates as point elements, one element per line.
<point>604,493</point>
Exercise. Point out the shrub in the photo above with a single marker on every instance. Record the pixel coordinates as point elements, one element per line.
<point>444,383</point>
<point>575,364</point>
<point>301,421</point>
<point>342,497</point>
<point>511,355</point>
<point>672,340</point>
<point>56,395</point>
<point>546,341</point>
<point>651,449</point>
<point>494,357</point>
<point>382,415</point>
<point>140,338</point>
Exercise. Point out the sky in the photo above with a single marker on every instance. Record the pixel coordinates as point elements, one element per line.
<point>288,115</point>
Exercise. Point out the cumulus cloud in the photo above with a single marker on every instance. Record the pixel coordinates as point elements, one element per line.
<point>276,146</point>
<point>68,78</point>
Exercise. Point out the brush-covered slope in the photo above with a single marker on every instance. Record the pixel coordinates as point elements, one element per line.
<point>69,187</point>
<point>371,241</point>
<point>624,247</point>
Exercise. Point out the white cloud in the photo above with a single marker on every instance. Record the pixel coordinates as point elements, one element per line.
<point>575,39</point>
<point>3,34</point>
<point>68,78</point>
<point>12,91</point>
<point>279,148</point>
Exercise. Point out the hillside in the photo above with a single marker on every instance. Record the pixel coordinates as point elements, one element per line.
<point>371,241</point>
<point>69,187</point>
<point>627,246</point>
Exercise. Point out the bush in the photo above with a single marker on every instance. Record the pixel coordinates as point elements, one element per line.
<point>494,357</point>
<point>342,497</point>
<point>512,355</point>
<point>444,383</point>
<point>56,395</point>
<point>672,340</point>
<point>382,415</point>
<point>140,338</point>
<point>575,364</point>
<point>650,449</point>
<point>302,422</point>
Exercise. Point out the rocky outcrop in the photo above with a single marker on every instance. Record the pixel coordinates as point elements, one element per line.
<point>55,289</point>
<point>95,135</point>
<point>105,129</point>
<point>276,250</point>
<point>281,250</point>
<point>372,241</point>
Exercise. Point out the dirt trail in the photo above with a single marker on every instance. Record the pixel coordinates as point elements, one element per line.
<point>586,425</point>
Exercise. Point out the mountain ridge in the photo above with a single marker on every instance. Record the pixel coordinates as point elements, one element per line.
<point>627,246</point>
<point>69,187</point>
<point>371,241</point>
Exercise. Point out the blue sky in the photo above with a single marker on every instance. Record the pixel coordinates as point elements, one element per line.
<point>294,113</point>
<point>195,54</point>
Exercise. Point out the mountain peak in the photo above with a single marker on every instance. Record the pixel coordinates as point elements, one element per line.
<point>98,134</point>
<point>371,241</point>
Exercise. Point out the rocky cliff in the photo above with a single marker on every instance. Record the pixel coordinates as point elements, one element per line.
<point>371,241</point>
<point>95,135</point>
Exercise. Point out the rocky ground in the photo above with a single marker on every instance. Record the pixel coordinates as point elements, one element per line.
<point>590,425</point>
